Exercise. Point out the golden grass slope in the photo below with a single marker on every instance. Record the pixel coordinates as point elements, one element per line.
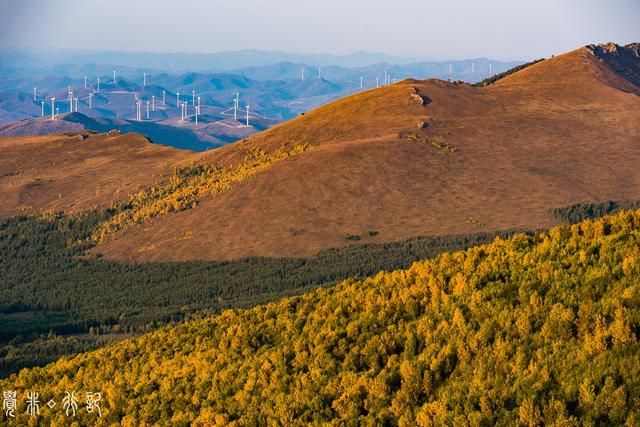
<point>564,130</point>
<point>72,172</point>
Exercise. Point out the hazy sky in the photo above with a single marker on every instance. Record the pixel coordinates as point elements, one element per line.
<point>501,29</point>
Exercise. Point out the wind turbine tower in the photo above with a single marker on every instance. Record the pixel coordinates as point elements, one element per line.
<point>490,69</point>
<point>302,73</point>
<point>114,77</point>
<point>319,73</point>
<point>144,79</point>
<point>236,105</point>
<point>178,100</point>
<point>147,110</point>
<point>163,98</point>
<point>90,96</point>
<point>247,115</point>
<point>53,109</point>
<point>193,97</point>
<point>42,111</point>
<point>153,102</point>
<point>360,82</point>
<point>85,82</point>
<point>98,84</point>
<point>76,101</point>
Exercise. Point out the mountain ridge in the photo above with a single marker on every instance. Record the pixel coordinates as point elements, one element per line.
<point>481,159</point>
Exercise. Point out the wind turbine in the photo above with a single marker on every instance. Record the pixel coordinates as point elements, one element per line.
<point>236,105</point>
<point>76,100</point>
<point>53,109</point>
<point>90,96</point>
<point>85,82</point>
<point>42,112</point>
<point>144,79</point>
<point>153,102</point>
<point>114,77</point>
<point>360,82</point>
<point>163,98</point>
<point>193,97</point>
<point>178,99</point>
<point>98,84</point>
<point>147,110</point>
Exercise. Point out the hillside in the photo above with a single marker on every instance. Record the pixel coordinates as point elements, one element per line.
<point>539,329</point>
<point>415,158</point>
<point>73,172</point>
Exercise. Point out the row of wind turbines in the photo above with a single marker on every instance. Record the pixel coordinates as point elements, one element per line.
<point>183,105</point>
<point>387,77</point>
<point>138,106</point>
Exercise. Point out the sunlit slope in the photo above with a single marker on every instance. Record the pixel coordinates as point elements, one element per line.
<point>78,171</point>
<point>538,329</point>
<point>562,131</point>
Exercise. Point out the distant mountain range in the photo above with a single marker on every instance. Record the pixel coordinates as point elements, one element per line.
<point>176,62</point>
<point>274,92</point>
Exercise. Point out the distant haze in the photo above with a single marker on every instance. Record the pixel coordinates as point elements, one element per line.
<point>501,29</point>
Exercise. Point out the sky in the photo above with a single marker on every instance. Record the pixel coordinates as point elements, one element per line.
<point>427,29</point>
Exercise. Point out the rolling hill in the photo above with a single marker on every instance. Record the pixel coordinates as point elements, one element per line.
<point>536,330</point>
<point>79,171</point>
<point>415,158</point>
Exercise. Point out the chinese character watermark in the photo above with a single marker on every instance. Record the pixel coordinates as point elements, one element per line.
<point>9,403</point>
<point>33,405</point>
<point>93,403</point>
<point>70,403</point>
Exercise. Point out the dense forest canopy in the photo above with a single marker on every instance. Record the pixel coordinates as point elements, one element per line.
<point>540,328</point>
<point>50,289</point>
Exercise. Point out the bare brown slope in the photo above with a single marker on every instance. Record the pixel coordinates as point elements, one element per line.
<point>561,131</point>
<point>72,172</point>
